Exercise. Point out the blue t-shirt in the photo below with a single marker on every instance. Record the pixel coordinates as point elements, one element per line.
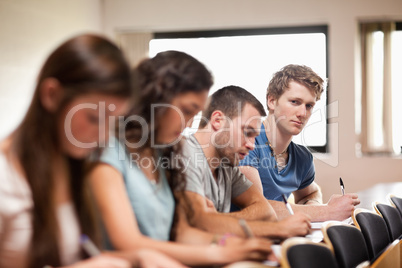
<point>153,203</point>
<point>298,173</point>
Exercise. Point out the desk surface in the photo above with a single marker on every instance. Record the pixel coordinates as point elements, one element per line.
<point>378,193</point>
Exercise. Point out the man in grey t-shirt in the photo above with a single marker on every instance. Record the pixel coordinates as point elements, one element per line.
<point>226,134</point>
<point>229,182</point>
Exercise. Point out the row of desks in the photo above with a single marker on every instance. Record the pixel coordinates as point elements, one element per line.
<point>378,193</point>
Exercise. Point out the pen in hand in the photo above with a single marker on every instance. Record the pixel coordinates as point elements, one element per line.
<point>246,228</point>
<point>287,204</point>
<point>88,246</point>
<point>342,186</point>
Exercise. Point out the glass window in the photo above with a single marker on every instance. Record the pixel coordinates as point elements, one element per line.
<point>248,58</point>
<point>377,103</point>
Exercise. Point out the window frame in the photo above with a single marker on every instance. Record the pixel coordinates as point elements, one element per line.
<point>263,31</point>
<point>362,121</point>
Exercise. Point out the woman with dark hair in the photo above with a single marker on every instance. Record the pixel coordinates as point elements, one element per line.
<point>136,181</point>
<point>44,204</point>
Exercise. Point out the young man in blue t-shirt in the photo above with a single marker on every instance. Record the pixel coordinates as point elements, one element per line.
<point>279,166</point>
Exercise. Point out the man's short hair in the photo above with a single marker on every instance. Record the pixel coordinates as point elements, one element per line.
<point>297,73</point>
<point>231,101</point>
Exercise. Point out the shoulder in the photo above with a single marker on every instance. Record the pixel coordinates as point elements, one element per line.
<point>300,151</point>
<point>190,142</point>
<point>115,155</point>
<point>190,147</point>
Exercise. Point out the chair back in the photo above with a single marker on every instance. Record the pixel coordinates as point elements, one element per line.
<point>396,202</point>
<point>347,243</point>
<point>392,218</point>
<point>301,252</point>
<point>374,229</point>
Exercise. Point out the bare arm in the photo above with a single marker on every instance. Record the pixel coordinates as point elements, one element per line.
<point>187,234</point>
<point>309,201</point>
<point>256,208</point>
<point>120,222</point>
<point>310,194</point>
<point>143,258</point>
<point>119,218</point>
<point>253,206</point>
<point>252,175</point>
<point>221,223</point>
<point>338,207</point>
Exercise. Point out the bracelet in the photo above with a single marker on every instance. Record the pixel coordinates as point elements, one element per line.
<point>311,200</point>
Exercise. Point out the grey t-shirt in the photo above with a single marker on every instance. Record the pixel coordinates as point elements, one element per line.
<point>230,181</point>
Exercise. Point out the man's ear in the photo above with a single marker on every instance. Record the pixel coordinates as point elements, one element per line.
<point>217,120</point>
<point>50,94</point>
<point>271,102</point>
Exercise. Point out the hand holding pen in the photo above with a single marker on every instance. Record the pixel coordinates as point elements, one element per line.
<point>342,186</point>
<point>287,205</point>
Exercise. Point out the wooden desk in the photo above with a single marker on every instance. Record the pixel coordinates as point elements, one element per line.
<point>390,258</point>
<point>378,193</point>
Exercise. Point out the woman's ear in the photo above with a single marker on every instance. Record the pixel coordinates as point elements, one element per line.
<point>271,102</point>
<point>51,94</point>
<point>217,120</point>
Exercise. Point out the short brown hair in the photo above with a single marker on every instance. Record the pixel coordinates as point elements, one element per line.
<point>297,73</point>
<point>226,100</point>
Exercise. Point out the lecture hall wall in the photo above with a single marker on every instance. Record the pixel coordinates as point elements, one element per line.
<point>29,31</point>
<point>31,28</point>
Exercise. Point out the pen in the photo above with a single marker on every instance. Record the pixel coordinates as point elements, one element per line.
<point>246,228</point>
<point>342,186</point>
<point>287,204</point>
<point>89,246</point>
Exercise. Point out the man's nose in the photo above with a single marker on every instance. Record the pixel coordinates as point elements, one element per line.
<point>302,111</point>
<point>250,143</point>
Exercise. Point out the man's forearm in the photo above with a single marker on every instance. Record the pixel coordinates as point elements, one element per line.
<point>314,197</point>
<point>258,211</point>
<point>317,212</point>
<point>220,223</point>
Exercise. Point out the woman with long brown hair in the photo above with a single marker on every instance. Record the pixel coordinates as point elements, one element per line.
<point>84,85</point>
<point>136,181</point>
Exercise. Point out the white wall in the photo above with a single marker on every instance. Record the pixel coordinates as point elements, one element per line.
<point>29,30</point>
<point>342,16</point>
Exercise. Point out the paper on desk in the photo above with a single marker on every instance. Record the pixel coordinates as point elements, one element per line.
<point>277,251</point>
<point>315,235</point>
<point>318,224</point>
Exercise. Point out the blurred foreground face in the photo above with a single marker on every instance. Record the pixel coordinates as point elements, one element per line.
<point>85,123</point>
<point>179,113</point>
